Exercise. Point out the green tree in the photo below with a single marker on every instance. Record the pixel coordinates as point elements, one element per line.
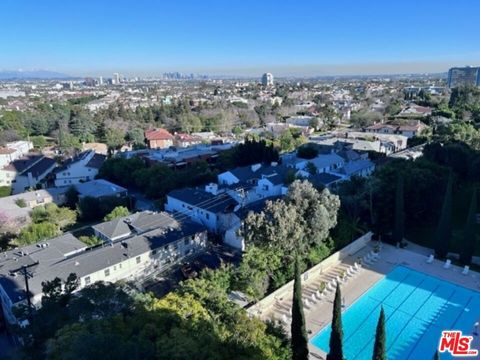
<point>286,140</point>
<point>469,236</point>
<point>399,226</point>
<point>336,337</point>
<point>380,346</point>
<point>307,151</point>
<point>114,138</point>
<point>34,233</point>
<point>311,168</point>
<point>444,228</point>
<point>119,211</point>
<point>39,141</point>
<point>90,240</point>
<point>136,136</point>
<point>299,340</point>
<point>71,197</point>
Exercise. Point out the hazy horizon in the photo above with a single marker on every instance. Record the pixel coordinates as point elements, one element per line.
<point>289,38</point>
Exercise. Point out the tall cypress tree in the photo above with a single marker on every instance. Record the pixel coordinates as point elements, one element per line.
<point>469,233</point>
<point>399,228</point>
<point>444,228</point>
<point>336,337</point>
<point>299,341</point>
<point>379,349</point>
<point>436,356</point>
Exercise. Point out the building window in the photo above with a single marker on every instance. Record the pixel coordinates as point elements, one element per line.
<point>187,241</point>
<point>87,280</point>
<point>154,252</point>
<point>107,272</point>
<point>207,215</point>
<point>138,259</point>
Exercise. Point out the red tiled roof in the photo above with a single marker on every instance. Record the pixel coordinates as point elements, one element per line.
<point>158,134</point>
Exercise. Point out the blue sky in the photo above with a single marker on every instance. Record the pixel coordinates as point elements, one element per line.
<point>141,37</point>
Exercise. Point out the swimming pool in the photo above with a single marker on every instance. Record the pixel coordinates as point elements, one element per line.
<point>417,308</point>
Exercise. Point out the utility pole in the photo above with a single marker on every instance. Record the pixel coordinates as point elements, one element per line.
<point>24,271</point>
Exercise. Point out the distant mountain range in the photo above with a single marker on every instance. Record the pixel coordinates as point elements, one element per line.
<point>32,74</point>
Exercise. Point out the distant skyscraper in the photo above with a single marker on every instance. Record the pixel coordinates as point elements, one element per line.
<point>116,78</point>
<point>90,82</point>
<point>461,76</point>
<point>267,79</point>
<point>100,80</point>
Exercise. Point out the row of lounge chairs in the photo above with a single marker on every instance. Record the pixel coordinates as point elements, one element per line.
<point>448,264</point>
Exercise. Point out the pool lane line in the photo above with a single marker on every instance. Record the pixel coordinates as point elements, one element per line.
<point>395,309</point>
<point>432,322</point>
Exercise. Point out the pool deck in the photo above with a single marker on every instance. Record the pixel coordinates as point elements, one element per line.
<point>319,313</point>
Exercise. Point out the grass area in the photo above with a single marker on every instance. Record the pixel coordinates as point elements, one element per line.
<point>5,191</point>
<point>425,235</point>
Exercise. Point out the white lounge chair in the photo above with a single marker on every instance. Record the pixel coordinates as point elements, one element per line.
<point>350,271</point>
<point>356,267</point>
<point>284,319</point>
<point>313,298</point>
<point>306,304</point>
<point>466,269</point>
<point>430,259</point>
<point>447,264</point>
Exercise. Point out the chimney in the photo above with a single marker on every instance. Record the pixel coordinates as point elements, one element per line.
<point>212,188</point>
<point>255,167</point>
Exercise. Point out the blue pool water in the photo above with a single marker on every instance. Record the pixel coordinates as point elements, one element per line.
<point>417,308</point>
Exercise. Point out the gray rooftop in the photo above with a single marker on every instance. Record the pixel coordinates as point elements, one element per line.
<point>66,254</point>
<point>138,223</point>
<point>99,188</point>
<point>205,200</point>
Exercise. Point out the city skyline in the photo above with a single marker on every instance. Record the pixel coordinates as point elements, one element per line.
<point>288,39</point>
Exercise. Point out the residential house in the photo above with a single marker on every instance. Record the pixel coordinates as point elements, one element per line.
<point>381,128</point>
<point>185,140</point>
<point>206,207</point>
<point>13,151</point>
<point>251,183</point>
<point>159,139</point>
<point>16,209</point>
<point>409,130</point>
<point>412,130</point>
<point>100,188</point>
<point>81,168</point>
<point>323,163</point>
<point>99,148</point>
<point>132,258</point>
<point>27,172</point>
<point>415,111</point>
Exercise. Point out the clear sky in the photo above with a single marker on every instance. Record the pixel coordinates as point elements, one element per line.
<point>244,37</point>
